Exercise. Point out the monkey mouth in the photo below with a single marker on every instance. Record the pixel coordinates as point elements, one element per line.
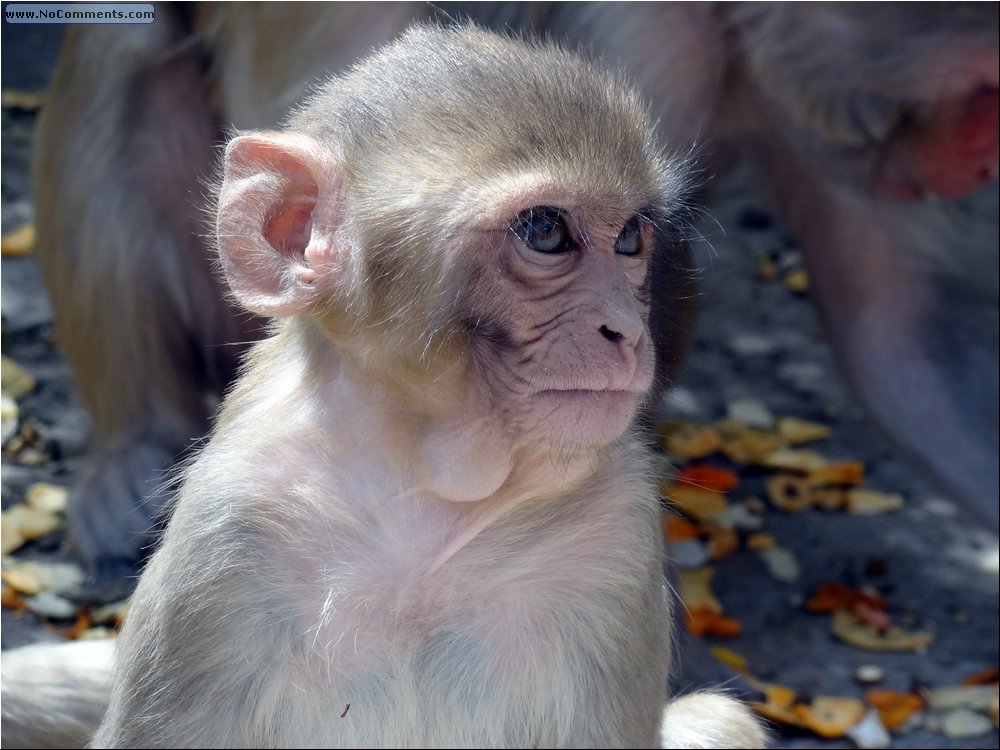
<point>622,389</point>
<point>587,416</point>
<point>583,398</point>
<point>598,402</point>
<point>594,393</point>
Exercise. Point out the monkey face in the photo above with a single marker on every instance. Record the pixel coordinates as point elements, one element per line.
<point>558,328</point>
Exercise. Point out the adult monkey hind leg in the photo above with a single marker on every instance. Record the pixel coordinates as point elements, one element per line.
<point>118,193</point>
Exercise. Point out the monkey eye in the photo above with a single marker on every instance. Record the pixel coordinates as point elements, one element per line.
<point>629,240</point>
<point>543,229</point>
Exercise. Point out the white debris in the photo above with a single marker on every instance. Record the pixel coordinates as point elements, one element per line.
<point>965,723</point>
<point>8,417</point>
<point>47,604</point>
<point>46,498</point>
<point>870,732</point>
<point>751,345</point>
<point>869,674</point>
<point>739,517</point>
<point>110,612</point>
<point>689,553</point>
<point>781,563</point>
<point>751,411</point>
<point>976,697</point>
<point>35,576</point>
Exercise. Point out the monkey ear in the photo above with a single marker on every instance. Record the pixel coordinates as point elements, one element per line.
<point>276,221</point>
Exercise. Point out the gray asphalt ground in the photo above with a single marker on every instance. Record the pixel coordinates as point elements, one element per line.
<point>934,566</point>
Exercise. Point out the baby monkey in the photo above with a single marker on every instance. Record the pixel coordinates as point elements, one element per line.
<point>424,516</point>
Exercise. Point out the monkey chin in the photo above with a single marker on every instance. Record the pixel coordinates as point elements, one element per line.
<point>583,417</point>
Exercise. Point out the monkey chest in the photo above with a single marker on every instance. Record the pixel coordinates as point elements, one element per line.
<point>533,647</point>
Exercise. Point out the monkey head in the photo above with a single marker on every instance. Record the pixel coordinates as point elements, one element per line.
<point>480,232</point>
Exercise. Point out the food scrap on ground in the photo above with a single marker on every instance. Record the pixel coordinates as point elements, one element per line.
<point>796,431</point>
<point>855,630</point>
<point>708,477</point>
<point>688,439</point>
<point>43,588</point>
<point>31,578</point>
<point>694,587</point>
<point>42,513</point>
<point>15,381</point>
<point>25,100</point>
<point>20,241</point>
<point>894,708</point>
<point>827,716</point>
<point>706,519</point>
<point>797,280</point>
<point>702,610</point>
<point>869,722</point>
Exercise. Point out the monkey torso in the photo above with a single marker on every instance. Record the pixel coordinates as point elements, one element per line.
<point>425,622</point>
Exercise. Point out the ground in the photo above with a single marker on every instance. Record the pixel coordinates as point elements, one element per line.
<point>932,565</point>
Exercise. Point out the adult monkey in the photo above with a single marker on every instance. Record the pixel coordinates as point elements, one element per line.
<point>425,516</point>
<point>858,110</point>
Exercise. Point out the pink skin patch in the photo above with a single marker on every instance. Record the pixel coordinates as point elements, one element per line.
<point>951,153</point>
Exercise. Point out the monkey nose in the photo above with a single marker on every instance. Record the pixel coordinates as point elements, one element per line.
<point>610,335</point>
<point>622,358</point>
<point>620,327</point>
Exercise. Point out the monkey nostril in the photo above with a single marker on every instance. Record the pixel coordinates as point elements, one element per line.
<point>611,335</point>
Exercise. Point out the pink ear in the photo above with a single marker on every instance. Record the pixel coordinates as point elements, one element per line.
<point>275,252</point>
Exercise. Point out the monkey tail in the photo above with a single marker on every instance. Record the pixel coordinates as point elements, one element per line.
<point>54,695</point>
<point>707,720</point>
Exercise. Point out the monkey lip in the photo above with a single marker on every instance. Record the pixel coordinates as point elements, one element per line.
<point>583,415</point>
<point>588,393</point>
<point>602,399</point>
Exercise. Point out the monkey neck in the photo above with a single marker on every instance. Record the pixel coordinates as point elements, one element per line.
<point>431,433</point>
<point>432,430</point>
<point>460,460</point>
<point>457,449</point>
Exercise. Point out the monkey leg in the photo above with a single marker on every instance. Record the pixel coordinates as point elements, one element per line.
<point>909,295</point>
<point>907,286</point>
<point>922,348</point>
<point>118,183</point>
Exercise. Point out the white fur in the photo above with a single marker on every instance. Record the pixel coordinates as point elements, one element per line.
<point>54,695</point>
